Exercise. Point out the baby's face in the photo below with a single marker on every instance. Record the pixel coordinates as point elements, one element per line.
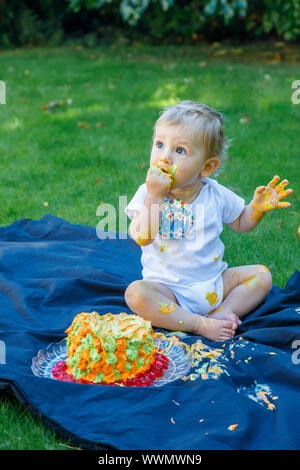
<point>178,147</point>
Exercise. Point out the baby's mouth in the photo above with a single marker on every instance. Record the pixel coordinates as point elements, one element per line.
<point>166,168</point>
<point>169,172</point>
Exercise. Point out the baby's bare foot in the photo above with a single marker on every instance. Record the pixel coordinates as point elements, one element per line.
<point>215,329</point>
<point>222,314</point>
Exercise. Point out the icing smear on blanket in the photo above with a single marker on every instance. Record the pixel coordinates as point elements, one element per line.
<point>211,363</point>
<point>260,393</point>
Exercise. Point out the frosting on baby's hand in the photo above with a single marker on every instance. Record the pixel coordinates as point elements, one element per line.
<point>267,198</point>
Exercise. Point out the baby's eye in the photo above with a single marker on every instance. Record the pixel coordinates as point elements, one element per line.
<point>180,148</point>
<point>158,144</point>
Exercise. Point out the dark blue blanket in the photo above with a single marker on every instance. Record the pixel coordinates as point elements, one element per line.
<point>247,397</point>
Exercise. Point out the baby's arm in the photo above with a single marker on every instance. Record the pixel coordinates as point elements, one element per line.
<point>144,226</point>
<point>265,198</point>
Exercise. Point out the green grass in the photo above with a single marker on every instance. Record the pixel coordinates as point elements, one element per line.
<point>46,158</point>
<point>19,430</point>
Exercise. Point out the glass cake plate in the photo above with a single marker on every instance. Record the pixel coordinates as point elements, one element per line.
<point>179,357</point>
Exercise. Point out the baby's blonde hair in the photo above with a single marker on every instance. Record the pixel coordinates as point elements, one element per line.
<point>205,123</point>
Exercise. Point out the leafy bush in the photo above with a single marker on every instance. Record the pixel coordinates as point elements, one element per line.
<point>283,17</point>
<point>25,22</point>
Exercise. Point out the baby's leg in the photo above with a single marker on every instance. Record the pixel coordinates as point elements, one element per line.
<point>245,287</point>
<point>156,302</point>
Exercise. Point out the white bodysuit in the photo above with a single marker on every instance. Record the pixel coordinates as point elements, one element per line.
<point>186,254</point>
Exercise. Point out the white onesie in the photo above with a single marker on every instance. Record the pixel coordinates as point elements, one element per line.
<point>186,254</point>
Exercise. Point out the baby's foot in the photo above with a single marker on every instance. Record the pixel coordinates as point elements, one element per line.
<point>222,314</point>
<point>215,329</point>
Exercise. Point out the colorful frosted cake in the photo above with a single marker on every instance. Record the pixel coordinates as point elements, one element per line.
<point>109,348</point>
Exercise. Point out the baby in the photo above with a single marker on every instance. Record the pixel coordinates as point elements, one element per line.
<point>186,286</point>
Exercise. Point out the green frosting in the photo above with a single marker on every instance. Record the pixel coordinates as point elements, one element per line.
<point>132,349</point>
<point>85,344</point>
<point>147,348</point>
<point>135,341</point>
<point>99,377</point>
<point>97,332</point>
<point>140,362</point>
<point>79,373</point>
<point>110,343</point>
<point>112,359</point>
<point>73,360</point>
<point>132,353</point>
<point>117,374</point>
<point>88,341</point>
<point>173,169</point>
<point>70,361</point>
<point>94,355</point>
<point>155,170</point>
<point>128,366</point>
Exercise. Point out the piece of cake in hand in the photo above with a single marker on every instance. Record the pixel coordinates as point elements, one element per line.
<point>168,172</point>
<point>109,348</point>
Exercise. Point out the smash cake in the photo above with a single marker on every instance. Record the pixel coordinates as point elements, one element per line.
<point>111,349</point>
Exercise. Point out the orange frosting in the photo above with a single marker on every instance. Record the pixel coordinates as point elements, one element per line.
<point>109,348</point>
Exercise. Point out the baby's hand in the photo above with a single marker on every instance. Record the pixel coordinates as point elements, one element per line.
<point>266,198</point>
<point>157,184</point>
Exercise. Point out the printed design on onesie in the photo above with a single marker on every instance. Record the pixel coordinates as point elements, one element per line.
<point>177,219</point>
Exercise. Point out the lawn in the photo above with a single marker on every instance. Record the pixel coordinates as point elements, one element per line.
<point>94,145</point>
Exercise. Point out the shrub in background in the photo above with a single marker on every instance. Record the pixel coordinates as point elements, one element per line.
<point>27,22</point>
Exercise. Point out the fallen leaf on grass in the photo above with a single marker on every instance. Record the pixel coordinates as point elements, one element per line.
<point>245,119</point>
<point>220,52</point>
<point>83,124</point>
<point>52,104</point>
<point>56,104</point>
